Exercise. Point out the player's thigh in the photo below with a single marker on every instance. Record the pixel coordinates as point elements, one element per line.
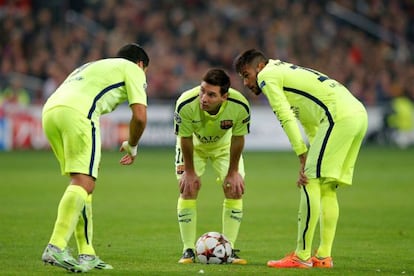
<point>81,142</point>
<point>83,148</point>
<point>221,162</point>
<point>348,165</point>
<point>50,125</point>
<point>333,149</point>
<point>199,160</point>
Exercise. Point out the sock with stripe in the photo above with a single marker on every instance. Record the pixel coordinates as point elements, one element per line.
<point>69,209</point>
<point>187,221</point>
<point>84,229</point>
<point>329,218</point>
<point>231,218</point>
<point>308,217</point>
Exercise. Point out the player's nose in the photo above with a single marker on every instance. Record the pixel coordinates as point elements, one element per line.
<point>203,98</point>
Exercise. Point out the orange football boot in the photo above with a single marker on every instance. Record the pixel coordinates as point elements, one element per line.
<point>322,262</point>
<point>290,261</point>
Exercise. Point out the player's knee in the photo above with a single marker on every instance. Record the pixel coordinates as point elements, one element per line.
<point>85,181</point>
<point>189,194</point>
<point>232,195</point>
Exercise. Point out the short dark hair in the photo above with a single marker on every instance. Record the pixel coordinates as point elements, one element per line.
<point>133,52</point>
<point>218,77</point>
<point>249,57</point>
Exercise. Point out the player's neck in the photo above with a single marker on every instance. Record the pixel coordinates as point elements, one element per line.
<point>215,111</point>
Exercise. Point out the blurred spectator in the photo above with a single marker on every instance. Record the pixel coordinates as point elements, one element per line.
<point>400,122</point>
<point>14,96</point>
<point>47,39</point>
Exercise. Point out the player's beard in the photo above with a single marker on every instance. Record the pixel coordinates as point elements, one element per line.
<point>211,109</point>
<point>256,90</point>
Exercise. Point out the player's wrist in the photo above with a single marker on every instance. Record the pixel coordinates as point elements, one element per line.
<point>131,150</point>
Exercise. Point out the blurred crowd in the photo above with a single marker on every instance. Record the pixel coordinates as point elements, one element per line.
<point>365,44</point>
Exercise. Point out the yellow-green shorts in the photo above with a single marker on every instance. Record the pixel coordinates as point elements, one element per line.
<point>219,158</point>
<point>335,147</point>
<point>74,139</point>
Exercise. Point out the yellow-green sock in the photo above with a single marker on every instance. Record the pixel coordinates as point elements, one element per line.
<point>70,206</point>
<point>308,217</point>
<point>187,221</point>
<point>84,229</point>
<point>329,219</point>
<point>231,218</point>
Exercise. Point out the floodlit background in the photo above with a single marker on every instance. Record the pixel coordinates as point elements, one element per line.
<point>366,45</point>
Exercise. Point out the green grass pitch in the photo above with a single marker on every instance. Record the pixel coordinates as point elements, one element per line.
<point>135,214</point>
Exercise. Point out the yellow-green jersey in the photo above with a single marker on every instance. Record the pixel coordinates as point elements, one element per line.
<point>98,87</point>
<point>296,92</point>
<point>211,131</point>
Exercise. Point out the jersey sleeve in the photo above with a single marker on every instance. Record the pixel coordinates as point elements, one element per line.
<point>183,114</point>
<point>135,84</point>
<point>272,86</point>
<point>183,122</point>
<point>242,123</point>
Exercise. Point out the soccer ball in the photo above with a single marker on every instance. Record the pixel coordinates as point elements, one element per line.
<point>213,248</point>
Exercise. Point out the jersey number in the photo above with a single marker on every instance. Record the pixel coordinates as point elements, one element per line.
<point>321,77</point>
<point>80,68</point>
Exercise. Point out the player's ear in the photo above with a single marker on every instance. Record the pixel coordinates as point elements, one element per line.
<point>141,65</point>
<point>260,66</point>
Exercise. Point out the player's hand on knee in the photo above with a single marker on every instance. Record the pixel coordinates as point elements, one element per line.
<point>233,185</point>
<point>189,184</point>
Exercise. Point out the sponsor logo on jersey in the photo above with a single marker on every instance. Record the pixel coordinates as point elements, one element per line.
<point>262,84</point>
<point>207,139</point>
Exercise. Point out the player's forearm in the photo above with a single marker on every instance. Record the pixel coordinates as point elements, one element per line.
<point>187,149</point>
<point>294,135</point>
<point>137,123</point>
<point>236,149</point>
<point>136,129</point>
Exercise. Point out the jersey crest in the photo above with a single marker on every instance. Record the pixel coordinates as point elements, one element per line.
<point>226,124</point>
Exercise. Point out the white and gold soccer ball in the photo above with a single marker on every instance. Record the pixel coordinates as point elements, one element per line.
<point>213,248</point>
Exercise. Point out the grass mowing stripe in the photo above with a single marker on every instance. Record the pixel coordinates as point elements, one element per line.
<point>135,214</point>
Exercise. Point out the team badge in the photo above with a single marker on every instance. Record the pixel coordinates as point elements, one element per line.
<point>226,124</point>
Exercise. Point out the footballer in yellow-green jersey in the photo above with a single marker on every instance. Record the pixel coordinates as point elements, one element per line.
<point>210,121</point>
<point>70,119</point>
<point>98,87</point>
<point>212,131</point>
<point>334,122</point>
